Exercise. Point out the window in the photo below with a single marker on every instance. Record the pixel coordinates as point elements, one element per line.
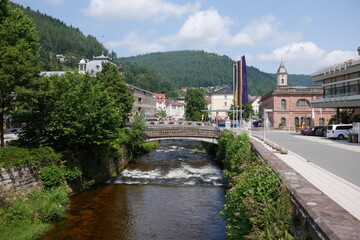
<point>225,103</point>
<point>297,121</point>
<point>302,103</point>
<point>283,121</point>
<point>225,96</point>
<point>283,104</point>
<point>308,121</point>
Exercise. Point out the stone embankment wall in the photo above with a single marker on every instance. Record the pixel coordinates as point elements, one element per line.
<point>17,180</point>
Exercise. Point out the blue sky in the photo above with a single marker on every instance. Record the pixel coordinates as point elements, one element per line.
<point>306,35</point>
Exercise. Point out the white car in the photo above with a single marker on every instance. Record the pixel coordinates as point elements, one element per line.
<point>338,131</point>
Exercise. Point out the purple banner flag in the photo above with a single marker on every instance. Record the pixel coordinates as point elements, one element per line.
<point>245,98</point>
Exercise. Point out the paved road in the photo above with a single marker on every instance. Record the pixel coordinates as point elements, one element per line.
<point>336,156</point>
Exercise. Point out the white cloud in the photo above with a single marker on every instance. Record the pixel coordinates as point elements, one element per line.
<point>263,30</point>
<point>306,56</point>
<point>138,9</point>
<point>254,33</point>
<point>295,52</point>
<point>202,29</point>
<point>136,44</point>
<point>338,56</point>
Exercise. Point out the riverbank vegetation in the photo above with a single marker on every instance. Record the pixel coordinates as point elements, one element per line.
<point>257,206</point>
<point>29,217</point>
<point>75,130</point>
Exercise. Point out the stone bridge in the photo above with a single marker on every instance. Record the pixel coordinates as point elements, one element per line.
<point>183,133</point>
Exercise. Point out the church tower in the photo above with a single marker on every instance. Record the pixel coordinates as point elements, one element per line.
<point>281,76</point>
<point>82,66</point>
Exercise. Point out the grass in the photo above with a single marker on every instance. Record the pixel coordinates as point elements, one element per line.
<point>28,218</point>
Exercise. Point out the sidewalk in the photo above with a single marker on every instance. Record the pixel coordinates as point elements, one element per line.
<point>332,203</point>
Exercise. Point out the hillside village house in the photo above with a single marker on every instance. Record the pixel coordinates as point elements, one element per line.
<point>221,100</point>
<point>175,109</point>
<point>160,102</point>
<point>255,103</point>
<point>292,105</point>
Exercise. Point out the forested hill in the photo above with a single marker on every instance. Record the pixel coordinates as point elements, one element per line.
<point>202,69</point>
<point>57,38</point>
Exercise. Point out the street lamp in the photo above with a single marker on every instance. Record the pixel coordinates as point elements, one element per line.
<point>358,50</point>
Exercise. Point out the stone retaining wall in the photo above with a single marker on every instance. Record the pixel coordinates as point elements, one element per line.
<point>17,180</point>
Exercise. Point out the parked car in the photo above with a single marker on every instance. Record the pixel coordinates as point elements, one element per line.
<point>321,131</point>
<point>304,131</point>
<point>338,131</point>
<point>312,130</point>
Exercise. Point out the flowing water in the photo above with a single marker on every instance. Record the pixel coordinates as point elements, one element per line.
<point>170,193</point>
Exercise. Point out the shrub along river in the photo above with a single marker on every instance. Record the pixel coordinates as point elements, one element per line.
<point>169,193</point>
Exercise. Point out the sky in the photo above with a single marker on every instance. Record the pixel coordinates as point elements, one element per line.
<point>305,35</point>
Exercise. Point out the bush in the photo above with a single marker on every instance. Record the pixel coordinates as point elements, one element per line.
<point>148,147</point>
<point>72,172</point>
<point>37,157</point>
<point>225,138</point>
<point>356,118</point>
<point>50,205</point>
<point>256,205</point>
<point>51,176</point>
<point>29,218</point>
<point>238,151</point>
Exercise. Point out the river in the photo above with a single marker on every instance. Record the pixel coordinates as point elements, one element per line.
<point>170,193</point>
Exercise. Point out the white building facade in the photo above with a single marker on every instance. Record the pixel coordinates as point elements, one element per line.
<point>175,110</point>
<point>221,100</point>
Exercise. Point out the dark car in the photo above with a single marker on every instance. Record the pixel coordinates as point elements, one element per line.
<point>304,131</point>
<point>321,131</point>
<point>312,130</point>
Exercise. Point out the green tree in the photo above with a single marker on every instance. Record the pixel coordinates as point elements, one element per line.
<point>76,112</point>
<point>135,135</point>
<point>116,87</point>
<point>195,102</point>
<point>19,51</point>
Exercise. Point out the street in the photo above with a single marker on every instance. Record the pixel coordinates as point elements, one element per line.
<point>336,156</point>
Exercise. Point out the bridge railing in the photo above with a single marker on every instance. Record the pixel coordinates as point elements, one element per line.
<point>159,131</point>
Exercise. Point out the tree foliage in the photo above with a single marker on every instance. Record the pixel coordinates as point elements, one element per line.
<point>57,38</point>
<point>147,79</point>
<point>19,51</point>
<point>195,102</point>
<point>75,111</point>
<point>202,69</point>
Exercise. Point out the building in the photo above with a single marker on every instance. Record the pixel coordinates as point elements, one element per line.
<point>221,100</point>
<point>340,86</point>
<point>291,106</point>
<point>144,101</point>
<point>255,103</point>
<point>160,102</point>
<point>175,109</point>
<point>93,66</point>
